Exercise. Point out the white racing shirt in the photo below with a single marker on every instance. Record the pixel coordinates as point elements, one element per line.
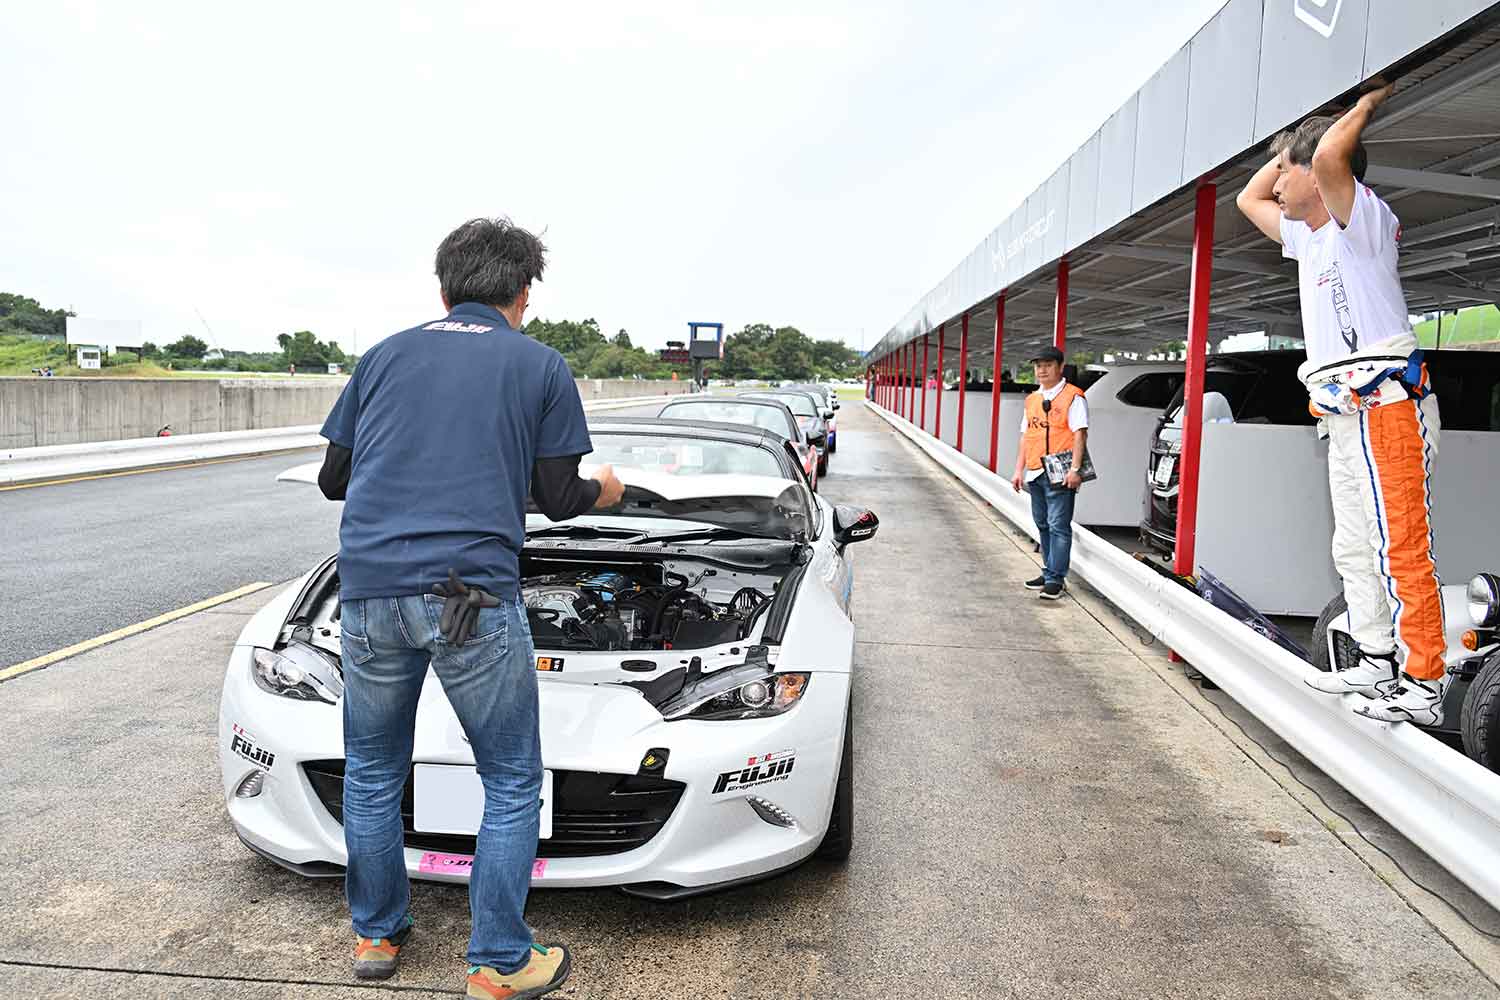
<point>1351,293</point>
<point>1078,418</point>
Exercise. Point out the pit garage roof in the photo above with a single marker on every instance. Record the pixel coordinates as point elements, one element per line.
<point>1121,209</point>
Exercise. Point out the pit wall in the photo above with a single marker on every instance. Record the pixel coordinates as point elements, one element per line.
<point>50,411</point>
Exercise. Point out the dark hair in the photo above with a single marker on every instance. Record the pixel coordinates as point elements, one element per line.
<point>1301,142</point>
<point>489,261</point>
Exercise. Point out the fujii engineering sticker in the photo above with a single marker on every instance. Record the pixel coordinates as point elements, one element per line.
<point>761,770</point>
<point>243,743</point>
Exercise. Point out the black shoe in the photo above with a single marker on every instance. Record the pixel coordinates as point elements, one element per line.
<point>1035,584</point>
<point>1051,591</point>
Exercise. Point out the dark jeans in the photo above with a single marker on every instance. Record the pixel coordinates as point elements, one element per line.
<point>491,684</point>
<point>1052,510</point>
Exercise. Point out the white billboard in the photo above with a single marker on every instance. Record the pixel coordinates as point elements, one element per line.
<point>108,333</point>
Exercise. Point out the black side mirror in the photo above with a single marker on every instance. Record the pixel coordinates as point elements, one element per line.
<point>835,404</point>
<point>853,524</point>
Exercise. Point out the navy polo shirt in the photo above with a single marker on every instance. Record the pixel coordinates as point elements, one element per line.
<point>445,421</point>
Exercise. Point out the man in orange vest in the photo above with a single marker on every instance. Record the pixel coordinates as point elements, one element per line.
<point>1056,420</point>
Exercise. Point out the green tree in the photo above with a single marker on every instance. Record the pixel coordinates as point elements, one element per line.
<point>149,350</point>
<point>188,347</point>
<point>22,315</point>
<point>303,348</point>
<point>791,354</point>
<point>622,339</point>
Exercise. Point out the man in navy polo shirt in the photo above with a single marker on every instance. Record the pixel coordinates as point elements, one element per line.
<point>433,446</point>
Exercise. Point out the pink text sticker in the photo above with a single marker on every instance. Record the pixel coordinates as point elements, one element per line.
<point>433,863</point>
<point>539,868</point>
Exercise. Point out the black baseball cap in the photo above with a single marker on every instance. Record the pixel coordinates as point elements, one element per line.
<point>1049,354</point>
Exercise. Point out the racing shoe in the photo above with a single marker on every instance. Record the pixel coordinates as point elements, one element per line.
<point>1373,675</point>
<point>377,958</point>
<point>547,970</point>
<point>1035,583</point>
<point>1420,702</point>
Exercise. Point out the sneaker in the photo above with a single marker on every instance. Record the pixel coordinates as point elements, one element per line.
<point>1373,675</point>
<point>1035,584</point>
<point>1051,591</point>
<point>1411,700</point>
<point>547,970</point>
<point>377,958</point>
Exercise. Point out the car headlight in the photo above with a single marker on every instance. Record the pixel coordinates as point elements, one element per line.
<point>748,692</point>
<point>297,672</point>
<point>1484,600</point>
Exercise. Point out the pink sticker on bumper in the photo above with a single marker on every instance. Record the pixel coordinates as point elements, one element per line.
<point>433,863</point>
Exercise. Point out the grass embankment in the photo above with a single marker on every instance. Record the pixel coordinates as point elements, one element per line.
<point>1476,325</point>
<point>19,355</point>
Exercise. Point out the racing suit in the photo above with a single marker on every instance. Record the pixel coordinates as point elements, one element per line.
<point>1368,386</point>
<point>1382,440</point>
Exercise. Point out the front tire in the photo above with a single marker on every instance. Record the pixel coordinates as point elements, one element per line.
<point>839,840</point>
<point>822,466</point>
<point>1480,718</point>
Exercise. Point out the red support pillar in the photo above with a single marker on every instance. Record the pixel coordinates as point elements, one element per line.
<point>1060,313</point>
<point>900,362</point>
<point>896,381</point>
<point>963,379</point>
<point>1192,393</point>
<point>911,381</point>
<point>937,430</point>
<point>995,392</point>
<point>924,380</point>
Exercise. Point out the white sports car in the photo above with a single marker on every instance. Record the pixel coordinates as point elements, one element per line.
<point>694,649</point>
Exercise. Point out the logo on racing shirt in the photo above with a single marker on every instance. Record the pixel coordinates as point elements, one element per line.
<point>1334,278</point>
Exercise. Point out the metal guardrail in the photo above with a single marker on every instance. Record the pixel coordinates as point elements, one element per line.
<point>1445,803</point>
<point>28,465</point>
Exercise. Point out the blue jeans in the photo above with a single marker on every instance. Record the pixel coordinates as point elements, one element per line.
<point>1052,510</point>
<point>491,684</point>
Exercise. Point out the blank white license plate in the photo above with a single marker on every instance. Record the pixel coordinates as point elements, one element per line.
<point>1164,469</point>
<point>449,798</point>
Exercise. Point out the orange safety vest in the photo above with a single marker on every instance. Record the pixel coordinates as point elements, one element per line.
<point>1047,432</point>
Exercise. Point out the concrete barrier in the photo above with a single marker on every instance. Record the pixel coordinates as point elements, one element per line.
<point>41,412</point>
<point>31,465</point>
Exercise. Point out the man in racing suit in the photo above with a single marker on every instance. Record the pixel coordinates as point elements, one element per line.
<point>1369,389</point>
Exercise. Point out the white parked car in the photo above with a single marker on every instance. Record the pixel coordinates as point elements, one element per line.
<point>694,652</point>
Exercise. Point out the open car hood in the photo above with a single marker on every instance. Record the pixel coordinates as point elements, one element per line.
<point>760,506</point>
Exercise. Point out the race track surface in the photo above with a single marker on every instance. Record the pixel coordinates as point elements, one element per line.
<point>1040,812</point>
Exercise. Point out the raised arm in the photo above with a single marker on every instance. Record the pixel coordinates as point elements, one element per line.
<point>1257,202</point>
<point>1332,163</point>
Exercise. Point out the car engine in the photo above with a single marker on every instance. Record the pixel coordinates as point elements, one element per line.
<point>645,607</point>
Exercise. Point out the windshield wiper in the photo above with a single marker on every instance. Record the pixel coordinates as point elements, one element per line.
<point>588,531</point>
<point>715,532</point>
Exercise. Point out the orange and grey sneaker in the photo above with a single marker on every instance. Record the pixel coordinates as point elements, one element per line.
<point>377,958</point>
<point>547,970</point>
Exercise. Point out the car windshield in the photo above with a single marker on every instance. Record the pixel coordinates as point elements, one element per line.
<point>683,456</point>
<point>725,411</point>
<point>799,403</point>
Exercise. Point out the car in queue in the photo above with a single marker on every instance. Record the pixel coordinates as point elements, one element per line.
<point>809,413</point>
<point>694,654</point>
<point>768,414</point>
<point>828,400</point>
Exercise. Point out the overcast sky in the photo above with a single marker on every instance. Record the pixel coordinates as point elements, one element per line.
<point>294,166</point>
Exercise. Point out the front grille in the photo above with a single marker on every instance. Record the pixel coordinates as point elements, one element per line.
<point>593,813</point>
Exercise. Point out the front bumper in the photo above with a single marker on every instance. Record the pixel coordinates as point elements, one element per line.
<point>705,839</point>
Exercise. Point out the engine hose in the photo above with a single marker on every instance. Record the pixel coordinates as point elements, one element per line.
<point>760,609</point>
<point>666,600</point>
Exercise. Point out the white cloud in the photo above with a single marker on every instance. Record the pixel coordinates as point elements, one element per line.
<point>287,166</point>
